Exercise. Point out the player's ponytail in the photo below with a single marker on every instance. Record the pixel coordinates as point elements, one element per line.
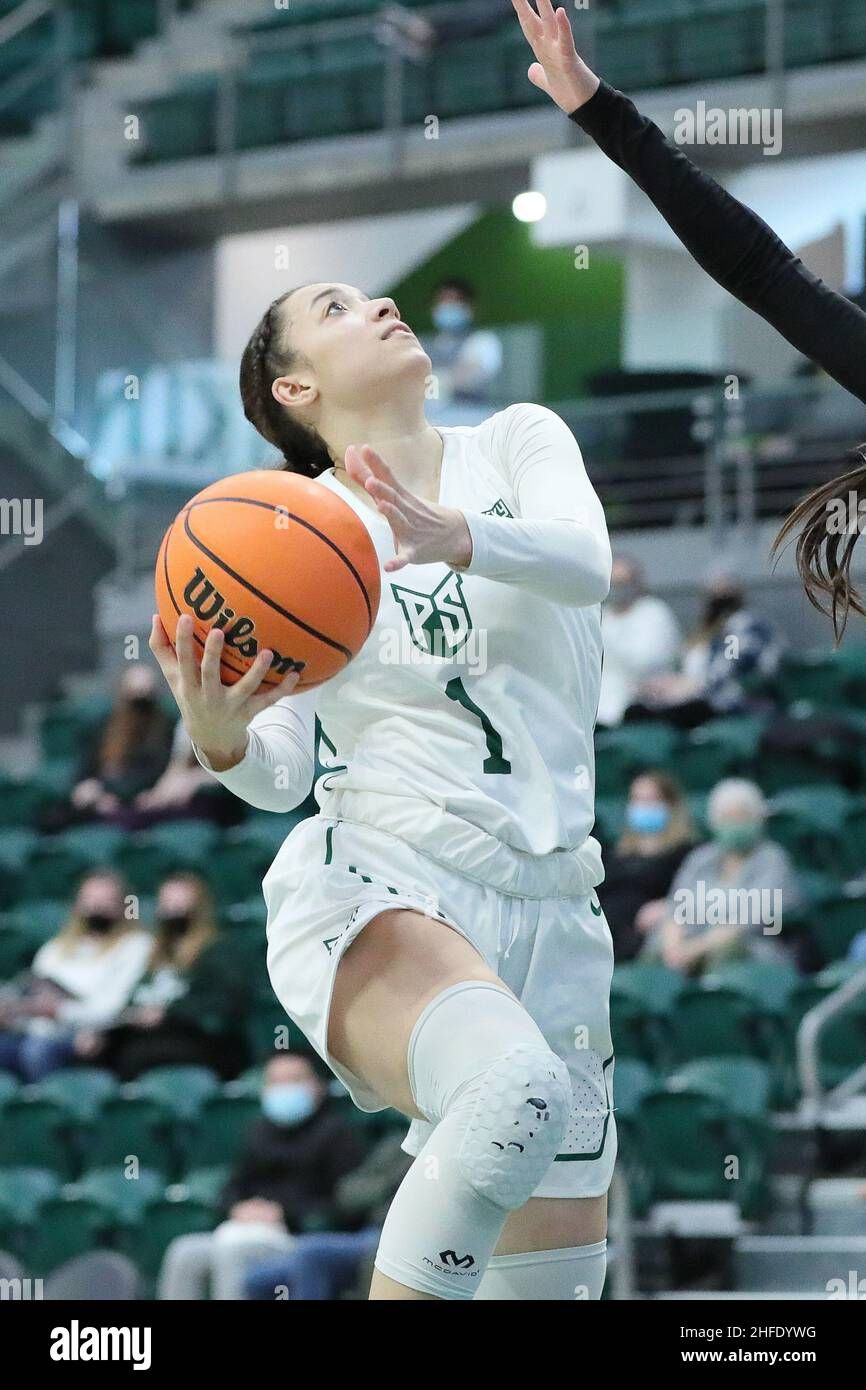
<point>828,522</point>
<point>303,448</point>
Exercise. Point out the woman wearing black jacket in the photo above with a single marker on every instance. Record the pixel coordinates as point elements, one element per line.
<point>744,255</point>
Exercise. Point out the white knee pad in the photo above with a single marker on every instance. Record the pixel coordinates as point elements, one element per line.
<point>521,1108</point>
<point>482,1072</point>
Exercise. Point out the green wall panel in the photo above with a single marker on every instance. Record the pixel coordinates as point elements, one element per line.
<point>518,282</point>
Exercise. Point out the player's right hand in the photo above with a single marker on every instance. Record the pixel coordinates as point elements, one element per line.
<point>216,716</point>
<point>559,71</point>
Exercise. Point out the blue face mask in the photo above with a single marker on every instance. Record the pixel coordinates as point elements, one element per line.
<point>452,317</point>
<point>288,1104</point>
<point>647,817</point>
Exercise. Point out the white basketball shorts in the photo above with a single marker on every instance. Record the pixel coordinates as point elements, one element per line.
<point>331,877</point>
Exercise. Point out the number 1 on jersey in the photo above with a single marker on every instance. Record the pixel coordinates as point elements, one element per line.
<point>495,761</point>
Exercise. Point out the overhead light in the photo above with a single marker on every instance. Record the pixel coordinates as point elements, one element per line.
<point>529,207</point>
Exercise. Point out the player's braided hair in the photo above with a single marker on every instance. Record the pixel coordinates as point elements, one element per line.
<point>825,550</point>
<point>302,447</point>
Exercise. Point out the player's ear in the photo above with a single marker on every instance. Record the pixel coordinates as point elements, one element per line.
<point>297,391</point>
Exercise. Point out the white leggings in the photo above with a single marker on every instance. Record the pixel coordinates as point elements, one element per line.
<point>480,1069</point>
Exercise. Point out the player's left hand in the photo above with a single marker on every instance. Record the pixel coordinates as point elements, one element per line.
<point>424,533</point>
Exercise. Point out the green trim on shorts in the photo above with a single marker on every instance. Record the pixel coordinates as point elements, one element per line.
<point>588,1158</point>
<point>329,845</point>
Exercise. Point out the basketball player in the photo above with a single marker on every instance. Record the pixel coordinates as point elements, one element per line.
<point>434,930</point>
<point>740,252</point>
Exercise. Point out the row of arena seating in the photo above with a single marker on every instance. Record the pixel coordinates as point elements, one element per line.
<point>314,91</point>
<point>99,29</point>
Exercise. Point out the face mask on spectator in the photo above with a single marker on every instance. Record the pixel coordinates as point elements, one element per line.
<point>142,704</point>
<point>451,317</point>
<point>739,836</point>
<point>100,923</point>
<point>647,817</point>
<point>288,1104</point>
<point>175,923</point>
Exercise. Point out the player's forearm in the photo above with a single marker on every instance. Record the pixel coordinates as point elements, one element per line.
<point>559,560</point>
<point>735,246</point>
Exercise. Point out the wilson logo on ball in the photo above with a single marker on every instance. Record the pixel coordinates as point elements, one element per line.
<point>205,602</point>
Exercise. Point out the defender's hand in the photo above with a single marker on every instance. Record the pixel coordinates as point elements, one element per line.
<point>559,71</point>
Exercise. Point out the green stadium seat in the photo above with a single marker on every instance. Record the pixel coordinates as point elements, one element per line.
<point>24,1190</point>
<point>54,869</point>
<point>701,1168</point>
<point>633,1080</point>
<point>9,1086</point>
<point>623,752</point>
<point>728,1022</point>
<point>179,1089</point>
<point>270,1029</point>
<point>146,861</point>
<point>67,1226</point>
<point>767,983</point>
<point>130,1126</point>
<point>656,985</point>
<point>162,1222</point>
<point>16,845</point>
<point>16,951</point>
<point>223,1126</point>
<point>809,822</point>
<point>37,920</point>
<point>35,1128</point>
<point>818,678</point>
<point>205,1185</point>
<point>741,1084</point>
<point>81,1091</point>
<point>854,838</point>
<point>21,798</point>
<point>121,1199</point>
<point>834,923</point>
<point>66,727</point>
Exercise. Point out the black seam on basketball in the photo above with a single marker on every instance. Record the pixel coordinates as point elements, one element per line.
<point>236,670</point>
<point>283,612</point>
<point>301,521</point>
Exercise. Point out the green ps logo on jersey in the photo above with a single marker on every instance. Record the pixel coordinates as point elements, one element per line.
<point>439,623</point>
<point>499,508</point>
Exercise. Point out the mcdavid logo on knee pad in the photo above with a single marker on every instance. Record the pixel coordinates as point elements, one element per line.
<point>450,1262</point>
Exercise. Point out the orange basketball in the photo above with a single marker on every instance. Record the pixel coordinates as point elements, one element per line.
<point>276,560</point>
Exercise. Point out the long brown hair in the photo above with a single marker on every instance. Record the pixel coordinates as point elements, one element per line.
<point>129,731</point>
<point>265,358</point>
<point>680,829</point>
<point>75,929</point>
<point>823,555</point>
<point>202,931</point>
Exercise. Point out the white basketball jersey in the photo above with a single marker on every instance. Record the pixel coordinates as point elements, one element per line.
<point>465,724</point>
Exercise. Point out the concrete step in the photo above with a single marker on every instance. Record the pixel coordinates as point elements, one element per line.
<point>838,1207</point>
<point>822,1263</point>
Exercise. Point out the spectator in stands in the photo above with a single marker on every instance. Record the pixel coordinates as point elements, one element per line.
<point>184,791</point>
<point>327,1264</point>
<point>191,1006</point>
<point>465,360</point>
<point>80,979</point>
<point>657,837</point>
<point>729,644</point>
<point>291,1162</point>
<point>127,755</point>
<point>730,896</point>
<point>641,640</point>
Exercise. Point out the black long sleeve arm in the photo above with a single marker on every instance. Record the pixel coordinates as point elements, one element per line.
<point>730,242</point>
